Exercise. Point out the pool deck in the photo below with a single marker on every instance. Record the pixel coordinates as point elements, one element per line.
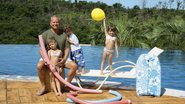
<point>23,92</point>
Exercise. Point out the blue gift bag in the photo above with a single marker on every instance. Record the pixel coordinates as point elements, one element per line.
<point>148,78</point>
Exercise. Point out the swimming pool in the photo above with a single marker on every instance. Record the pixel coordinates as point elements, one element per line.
<point>21,60</point>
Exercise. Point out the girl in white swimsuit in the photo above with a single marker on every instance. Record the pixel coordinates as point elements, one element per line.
<point>110,44</point>
<point>55,55</point>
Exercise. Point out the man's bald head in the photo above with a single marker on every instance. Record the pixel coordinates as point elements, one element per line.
<point>54,17</point>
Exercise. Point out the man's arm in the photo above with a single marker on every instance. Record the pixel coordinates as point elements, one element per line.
<point>42,56</point>
<point>66,53</point>
<point>40,50</point>
<point>67,49</point>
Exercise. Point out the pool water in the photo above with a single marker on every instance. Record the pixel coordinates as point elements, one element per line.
<point>21,60</point>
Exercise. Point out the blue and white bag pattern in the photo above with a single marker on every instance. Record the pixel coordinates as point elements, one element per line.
<point>148,80</point>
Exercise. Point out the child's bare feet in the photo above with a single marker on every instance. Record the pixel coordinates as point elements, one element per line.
<point>113,74</point>
<point>60,94</point>
<point>41,92</point>
<point>83,71</point>
<point>57,94</point>
<point>101,73</point>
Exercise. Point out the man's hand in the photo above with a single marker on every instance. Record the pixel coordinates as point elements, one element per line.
<point>53,69</point>
<point>61,63</point>
<point>45,62</point>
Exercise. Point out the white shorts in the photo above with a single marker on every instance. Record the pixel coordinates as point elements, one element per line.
<point>108,51</point>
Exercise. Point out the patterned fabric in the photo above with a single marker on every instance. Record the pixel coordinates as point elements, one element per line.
<point>148,80</point>
<point>78,57</point>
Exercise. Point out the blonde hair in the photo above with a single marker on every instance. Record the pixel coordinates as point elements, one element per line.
<point>54,16</point>
<point>51,40</point>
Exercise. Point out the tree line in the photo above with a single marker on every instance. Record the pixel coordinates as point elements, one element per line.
<point>21,21</point>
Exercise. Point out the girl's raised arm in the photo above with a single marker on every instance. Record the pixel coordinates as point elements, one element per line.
<point>104,25</point>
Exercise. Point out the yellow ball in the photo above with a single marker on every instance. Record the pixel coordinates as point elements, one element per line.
<point>97,14</point>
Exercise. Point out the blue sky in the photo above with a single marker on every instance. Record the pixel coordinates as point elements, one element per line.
<point>131,3</point>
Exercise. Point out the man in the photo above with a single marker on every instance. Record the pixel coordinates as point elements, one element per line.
<point>63,46</point>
